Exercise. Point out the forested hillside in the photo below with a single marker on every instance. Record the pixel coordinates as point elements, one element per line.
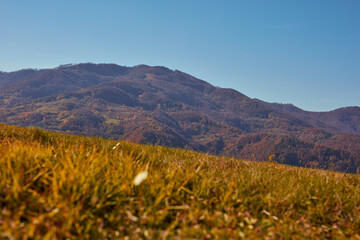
<point>156,105</point>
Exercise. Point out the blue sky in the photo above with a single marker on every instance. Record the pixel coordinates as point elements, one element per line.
<point>302,52</point>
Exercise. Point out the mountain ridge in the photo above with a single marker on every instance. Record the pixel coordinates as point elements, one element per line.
<point>28,71</point>
<point>158,105</point>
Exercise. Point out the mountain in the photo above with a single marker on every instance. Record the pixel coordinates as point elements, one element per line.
<point>156,105</point>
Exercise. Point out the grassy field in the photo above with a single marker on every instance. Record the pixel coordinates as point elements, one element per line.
<point>57,186</point>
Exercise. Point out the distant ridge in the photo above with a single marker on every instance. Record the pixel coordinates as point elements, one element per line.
<point>158,105</point>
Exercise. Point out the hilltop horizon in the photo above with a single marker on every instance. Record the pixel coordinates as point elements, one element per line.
<point>173,69</point>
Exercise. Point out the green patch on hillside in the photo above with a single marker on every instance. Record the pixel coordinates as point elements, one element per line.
<point>57,186</point>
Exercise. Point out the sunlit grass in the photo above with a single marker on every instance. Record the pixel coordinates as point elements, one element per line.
<point>58,186</point>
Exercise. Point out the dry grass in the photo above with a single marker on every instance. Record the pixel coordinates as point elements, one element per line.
<point>56,186</point>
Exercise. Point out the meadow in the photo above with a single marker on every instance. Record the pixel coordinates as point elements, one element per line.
<point>58,186</point>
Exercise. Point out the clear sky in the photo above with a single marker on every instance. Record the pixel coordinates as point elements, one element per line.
<point>304,52</point>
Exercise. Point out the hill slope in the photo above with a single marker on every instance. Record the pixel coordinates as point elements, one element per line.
<point>61,186</point>
<point>156,105</point>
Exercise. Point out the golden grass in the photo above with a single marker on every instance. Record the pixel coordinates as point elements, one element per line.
<point>57,186</point>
